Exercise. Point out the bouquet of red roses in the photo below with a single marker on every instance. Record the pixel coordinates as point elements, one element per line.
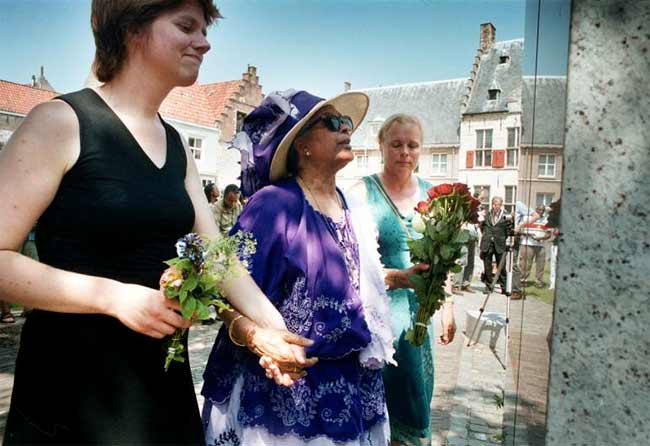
<point>440,220</point>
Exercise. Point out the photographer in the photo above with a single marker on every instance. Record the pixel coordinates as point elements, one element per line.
<point>496,227</point>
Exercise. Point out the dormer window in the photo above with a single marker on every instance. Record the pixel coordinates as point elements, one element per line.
<point>493,94</point>
<point>504,59</point>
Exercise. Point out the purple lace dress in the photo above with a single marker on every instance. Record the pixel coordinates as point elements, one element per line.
<point>308,266</point>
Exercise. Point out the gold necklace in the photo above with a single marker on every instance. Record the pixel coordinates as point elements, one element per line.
<point>302,183</point>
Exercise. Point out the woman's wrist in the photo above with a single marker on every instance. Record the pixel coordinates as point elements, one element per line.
<point>231,328</point>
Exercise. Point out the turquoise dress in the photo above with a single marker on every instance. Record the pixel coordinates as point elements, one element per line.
<point>409,386</point>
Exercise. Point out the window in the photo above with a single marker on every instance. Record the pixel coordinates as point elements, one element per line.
<point>510,198</point>
<point>195,146</point>
<point>439,164</point>
<point>483,195</point>
<point>512,157</point>
<point>546,167</point>
<point>513,136</point>
<point>239,125</point>
<point>504,59</point>
<point>483,157</point>
<point>493,95</point>
<point>544,198</point>
<point>484,139</point>
<point>512,152</point>
<point>362,161</point>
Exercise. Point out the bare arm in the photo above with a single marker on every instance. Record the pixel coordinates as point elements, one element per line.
<point>32,166</point>
<point>240,290</point>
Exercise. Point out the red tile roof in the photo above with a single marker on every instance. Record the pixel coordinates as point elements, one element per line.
<point>20,99</point>
<point>200,104</point>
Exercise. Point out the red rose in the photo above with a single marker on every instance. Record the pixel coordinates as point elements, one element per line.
<point>422,207</point>
<point>461,189</point>
<point>474,205</point>
<point>433,193</point>
<point>444,189</point>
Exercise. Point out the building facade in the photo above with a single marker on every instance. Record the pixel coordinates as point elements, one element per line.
<point>206,115</point>
<point>497,131</point>
<point>17,100</point>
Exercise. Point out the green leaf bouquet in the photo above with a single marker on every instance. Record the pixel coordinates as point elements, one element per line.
<point>440,219</point>
<point>194,276</point>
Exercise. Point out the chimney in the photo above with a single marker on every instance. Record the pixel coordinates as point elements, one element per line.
<point>42,71</point>
<point>33,80</point>
<point>488,35</point>
<point>347,86</point>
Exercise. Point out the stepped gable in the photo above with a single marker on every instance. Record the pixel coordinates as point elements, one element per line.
<point>500,68</point>
<point>198,104</point>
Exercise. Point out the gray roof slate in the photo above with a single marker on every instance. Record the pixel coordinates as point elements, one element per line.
<point>550,108</point>
<point>506,77</point>
<point>437,104</point>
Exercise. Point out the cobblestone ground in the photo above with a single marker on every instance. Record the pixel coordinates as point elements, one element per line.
<point>468,380</point>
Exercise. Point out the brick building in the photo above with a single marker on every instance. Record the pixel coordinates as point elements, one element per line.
<point>206,115</point>
<point>17,100</point>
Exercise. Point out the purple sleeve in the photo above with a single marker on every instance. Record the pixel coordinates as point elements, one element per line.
<point>267,216</point>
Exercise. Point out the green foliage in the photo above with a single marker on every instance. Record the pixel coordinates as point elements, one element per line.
<point>456,269</point>
<point>200,289</point>
<point>499,400</point>
<point>418,248</point>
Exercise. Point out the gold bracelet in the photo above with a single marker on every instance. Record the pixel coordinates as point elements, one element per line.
<point>230,328</point>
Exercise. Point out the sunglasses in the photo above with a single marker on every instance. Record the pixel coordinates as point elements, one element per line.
<point>333,123</point>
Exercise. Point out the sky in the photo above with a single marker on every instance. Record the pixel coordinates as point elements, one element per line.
<point>315,45</point>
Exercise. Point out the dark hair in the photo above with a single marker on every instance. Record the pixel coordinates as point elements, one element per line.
<point>230,188</point>
<point>113,21</point>
<point>207,190</point>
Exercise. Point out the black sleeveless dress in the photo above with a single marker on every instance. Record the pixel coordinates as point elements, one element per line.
<point>88,378</point>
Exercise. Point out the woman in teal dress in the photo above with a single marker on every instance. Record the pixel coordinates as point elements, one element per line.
<point>392,196</point>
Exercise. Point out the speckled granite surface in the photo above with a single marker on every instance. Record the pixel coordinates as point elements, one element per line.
<point>600,363</point>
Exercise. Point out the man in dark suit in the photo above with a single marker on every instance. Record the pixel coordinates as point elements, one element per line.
<point>495,229</point>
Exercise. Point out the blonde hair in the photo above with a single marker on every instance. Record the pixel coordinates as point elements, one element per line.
<point>398,118</point>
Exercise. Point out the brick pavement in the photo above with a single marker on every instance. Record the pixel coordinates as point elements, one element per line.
<point>467,379</point>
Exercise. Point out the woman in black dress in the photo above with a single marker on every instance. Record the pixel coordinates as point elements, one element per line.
<point>113,188</point>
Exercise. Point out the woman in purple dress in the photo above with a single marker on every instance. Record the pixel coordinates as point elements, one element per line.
<point>319,266</point>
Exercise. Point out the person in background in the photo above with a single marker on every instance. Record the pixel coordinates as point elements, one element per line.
<point>227,210</point>
<point>392,196</point>
<point>211,192</point>
<point>6,317</point>
<point>494,230</point>
<point>533,236</point>
<point>553,223</point>
<point>463,279</point>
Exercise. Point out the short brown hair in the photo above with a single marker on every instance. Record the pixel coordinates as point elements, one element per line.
<point>399,118</point>
<point>113,20</point>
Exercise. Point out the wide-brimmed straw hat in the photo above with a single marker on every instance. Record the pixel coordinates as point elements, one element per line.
<point>352,104</point>
<point>271,128</point>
